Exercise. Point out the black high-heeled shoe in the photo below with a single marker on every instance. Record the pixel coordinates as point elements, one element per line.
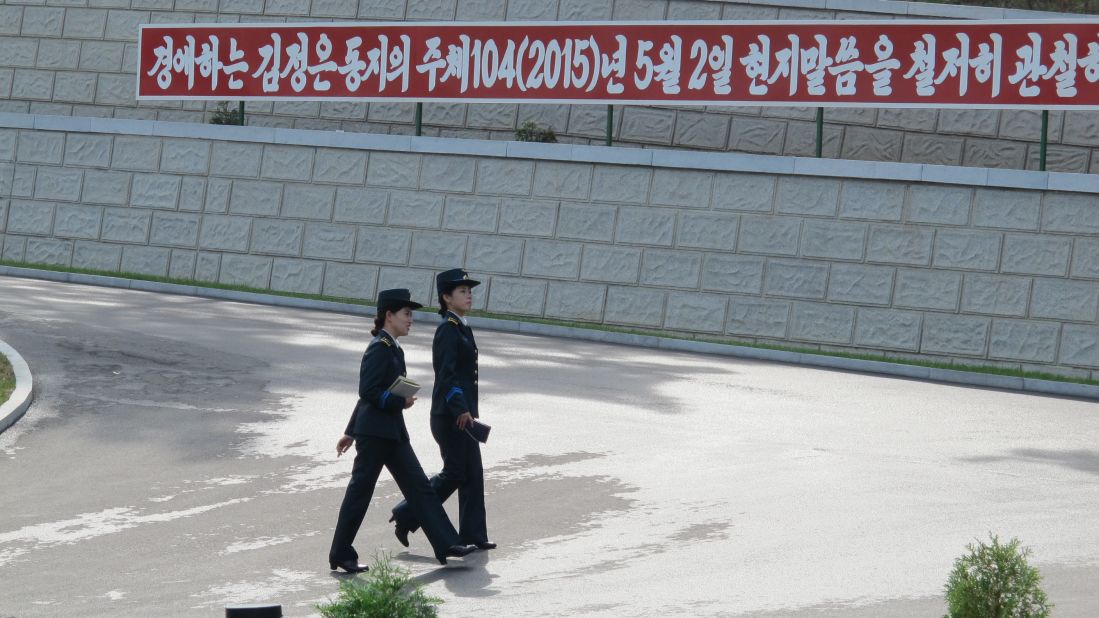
<point>455,551</point>
<point>351,566</point>
<point>486,545</point>
<point>399,531</point>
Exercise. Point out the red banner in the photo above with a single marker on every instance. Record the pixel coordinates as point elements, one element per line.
<point>1035,65</point>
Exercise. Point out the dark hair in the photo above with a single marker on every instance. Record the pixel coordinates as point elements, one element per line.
<point>442,304</point>
<point>379,322</point>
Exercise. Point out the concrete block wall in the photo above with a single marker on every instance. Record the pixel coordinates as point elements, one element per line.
<point>78,57</point>
<point>963,264</point>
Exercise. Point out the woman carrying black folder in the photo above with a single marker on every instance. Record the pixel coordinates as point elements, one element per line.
<point>453,408</point>
<point>377,429</point>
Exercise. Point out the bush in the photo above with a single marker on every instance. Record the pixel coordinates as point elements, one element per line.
<point>995,581</point>
<point>530,132</point>
<point>385,591</point>
<point>224,115</point>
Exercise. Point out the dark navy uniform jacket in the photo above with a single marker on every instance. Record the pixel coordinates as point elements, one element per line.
<point>379,412</point>
<point>454,357</point>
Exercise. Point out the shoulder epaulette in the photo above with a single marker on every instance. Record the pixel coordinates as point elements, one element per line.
<point>387,342</point>
<point>452,321</point>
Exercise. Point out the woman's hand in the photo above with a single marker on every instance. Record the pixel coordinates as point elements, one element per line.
<point>465,419</point>
<point>343,444</point>
<point>411,399</point>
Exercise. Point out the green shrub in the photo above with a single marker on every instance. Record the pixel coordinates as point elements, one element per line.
<point>385,591</point>
<point>995,581</point>
<point>224,115</point>
<point>531,132</point>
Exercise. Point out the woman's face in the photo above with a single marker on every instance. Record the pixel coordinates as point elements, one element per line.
<point>398,323</point>
<point>460,299</point>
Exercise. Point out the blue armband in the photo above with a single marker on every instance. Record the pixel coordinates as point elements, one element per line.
<point>381,400</point>
<point>454,391</point>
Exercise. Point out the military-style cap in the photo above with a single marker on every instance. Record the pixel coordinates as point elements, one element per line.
<point>396,299</point>
<point>450,279</point>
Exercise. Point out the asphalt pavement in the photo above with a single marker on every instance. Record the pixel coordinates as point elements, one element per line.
<point>180,457</point>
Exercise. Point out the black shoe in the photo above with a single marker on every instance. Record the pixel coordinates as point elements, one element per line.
<point>455,551</point>
<point>351,566</point>
<point>486,545</point>
<point>400,531</point>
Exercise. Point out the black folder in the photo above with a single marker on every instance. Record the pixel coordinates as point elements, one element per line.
<point>478,430</point>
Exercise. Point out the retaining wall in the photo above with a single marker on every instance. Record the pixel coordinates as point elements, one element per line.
<point>962,264</point>
<point>78,57</point>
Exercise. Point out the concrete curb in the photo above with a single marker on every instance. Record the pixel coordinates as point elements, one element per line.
<point>16,406</point>
<point>968,378</point>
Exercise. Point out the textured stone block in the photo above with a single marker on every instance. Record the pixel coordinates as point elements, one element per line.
<point>300,276</point>
<point>32,85</point>
<point>100,56</point>
<point>587,121</point>
<point>872,144</point>
<point>350,280</point>
<point>747,192</point>
<point>383,245</point>
<point>145,260</point>
<point>872,200</point>
<point>225,233</point>
<point>136,153</point>
<point>859,284</point>
<point>647,125</point>
<point>179,230</point>
<point>681,188</point>
<point>481,10</point>
<point>247,270</point>
<point>822,323</point>
<point>96,256</point>
<point>1079,344</point>
<point>192,193</point>
<point>942,205</point>
<point>887,328</point>
<point>796,279</point>
<point>678,269</point>
<point>188,156</point>
<point>335,242</point>
<point>1026,125</point>
<point>586,222</point>
<point>287,162</point>
<point>21,183</point>
<point>801,140</point>
<point>493,254</point>
<point>647,226</point>
<point>30,218</point>
<point>552,259</point>
<point>182,264</point>
<point>340,166</point>
<point>757,135</point>
<point>704,131</point>
<point>504,177</point>
<point>900,245</point>
<point>1033,254</point>
<point>834,239</point>
<point>355,205</point>
<point>84,23</point>
<point>610,264</point>
<point>275,237</point>
<point>575,301</point>
<point>1034,342</point>
<point>62,184</point>
<point>101,187</point>
<point>8,140</point>
<point>733,273</point>
<point>13,248</point>
<point>911,119</point>
<point>445,173</point>
<point>807,195</point>
<point>629,185</point>
<point>43,21</point>
<point>927,289</point>
<point>286,7</point>
<point>562,180</point>
<point>934,149</point>
<point>403,113</point>
<point>634,306</point>
<point>492,116</point>
<point>770,235</point>
<point>379,9</point>
<point>252,197</point>
<point>696,312</point>
<point>207,266</point>
<point>1018,210</point>
<point>88,150</point>
<point>437,250</point>
<point>74,88</point>
<point>236,159</point>
<point>308,202</point>
<point>1069,212</point>
<point>77,221</point>
<point>471,214</point>
<point>1080,128</point>
<point>528,218</point>
<point>116,90</point>
<point>758,318</point>
<point>1064,300</point>
<point>40,147</point>
<point>415,209</point>
<point>994,153</point>
<point>969,121</point>
<point>126,225</point>
<point>155,191</point>
<point>955,335</point>
<point>517,296</point>
<point>707,230</point>
<point>967,250</point>
<point>48,251</point>
<point>393,170</point>
<point>217,195</point>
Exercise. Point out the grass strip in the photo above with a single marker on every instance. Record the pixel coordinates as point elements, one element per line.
<point>7,379</point>
<point>985,369</point>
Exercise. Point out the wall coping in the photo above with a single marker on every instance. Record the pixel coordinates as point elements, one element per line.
<point>571,153</point>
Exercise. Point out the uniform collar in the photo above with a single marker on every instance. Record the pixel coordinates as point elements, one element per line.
<point>384,334</point>
<point>460,318</point>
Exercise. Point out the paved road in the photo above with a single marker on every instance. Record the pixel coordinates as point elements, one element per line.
<point>180,457</point>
